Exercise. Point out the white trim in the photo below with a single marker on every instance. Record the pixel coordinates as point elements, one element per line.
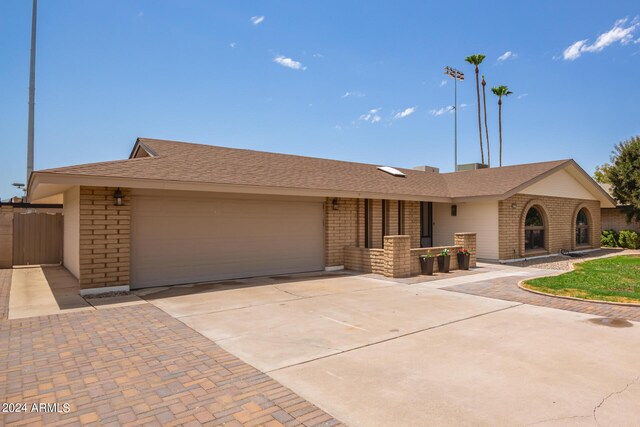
<point>104,290</point>
<point>334,268</point>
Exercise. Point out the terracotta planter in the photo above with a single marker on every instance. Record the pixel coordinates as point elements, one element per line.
<point>426,265</point>
<point>463,261</point>
<point>443,263</point>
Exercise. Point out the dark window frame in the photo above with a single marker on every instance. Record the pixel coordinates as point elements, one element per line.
<point>384,218</point>
<point>429,219</point>
<point>367,223</point>
<point>534,235</point>
<point>400,217</point>
<point>582,229</point>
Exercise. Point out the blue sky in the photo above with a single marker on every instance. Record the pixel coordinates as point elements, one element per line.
<point>354,80</point>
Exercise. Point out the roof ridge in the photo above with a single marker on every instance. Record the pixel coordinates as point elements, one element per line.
<point>559,162</point>
<point>271,153</point>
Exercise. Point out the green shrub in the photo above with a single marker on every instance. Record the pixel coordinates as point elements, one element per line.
<point>609,238</point>
<point>629,239</point>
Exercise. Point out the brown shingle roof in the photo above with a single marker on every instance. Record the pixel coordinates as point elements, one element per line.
<point>496,181</point>
<point>196,163</point>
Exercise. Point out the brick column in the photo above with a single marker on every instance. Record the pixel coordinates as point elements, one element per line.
<point>104,238</point>
<point>397,256</point>
<point>6,236</point>
<point>468,241</point>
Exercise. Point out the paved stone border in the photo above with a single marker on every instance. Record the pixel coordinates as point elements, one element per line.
<point>132,366</point>
<point>572,267</point>
<point>506,288</point>
<point>596,301</point>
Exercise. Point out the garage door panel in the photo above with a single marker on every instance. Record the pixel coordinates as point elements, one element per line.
<point>184,240</point>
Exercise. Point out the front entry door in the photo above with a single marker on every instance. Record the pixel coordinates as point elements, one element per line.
<point>426,224</point>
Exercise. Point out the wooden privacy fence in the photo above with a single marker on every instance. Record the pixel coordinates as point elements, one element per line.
<point>37,238</point>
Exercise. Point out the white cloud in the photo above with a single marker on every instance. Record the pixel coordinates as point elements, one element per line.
<point>318,55</point>
<point>574,51</point>
<point>443,82</point>
<point>507,55</point>
<point>140,14</point>
<point>441,111</point>
<point>524,95</point>
<point>256,20</point>
<point>232,45</point>
<point>621,32</point>
<point>372,116</point>
<point>353,95</point>
<point>289,63</point>
<point>405,113</point>
<point>462,106</point>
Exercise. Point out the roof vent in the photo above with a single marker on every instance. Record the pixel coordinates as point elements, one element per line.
<point>425,168</point>
<point>391,171</point>
<point>471,167</point>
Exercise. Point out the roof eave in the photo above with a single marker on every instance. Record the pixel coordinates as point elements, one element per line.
<point>65,179</point>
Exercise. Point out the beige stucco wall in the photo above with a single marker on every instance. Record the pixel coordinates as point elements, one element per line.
<point>71,216</point>
<point>559,184</point>
<point>479,217</point>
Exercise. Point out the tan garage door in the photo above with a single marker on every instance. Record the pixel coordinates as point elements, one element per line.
<point>186,239</point>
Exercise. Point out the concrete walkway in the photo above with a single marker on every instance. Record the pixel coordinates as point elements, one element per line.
<point>37,291</point>
<point>44,291</point>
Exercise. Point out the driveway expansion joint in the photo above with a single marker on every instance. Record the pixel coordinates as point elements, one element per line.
<point>394,338</point>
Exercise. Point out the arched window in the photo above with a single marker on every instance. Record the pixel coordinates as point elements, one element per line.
<point>582,228</point>
<point>534,230</point>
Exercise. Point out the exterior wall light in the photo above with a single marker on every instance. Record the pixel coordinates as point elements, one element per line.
<point>334,204</point>
<point>514,205</point>
<point>118,197</point>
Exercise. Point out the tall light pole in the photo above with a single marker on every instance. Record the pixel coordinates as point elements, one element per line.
<point>32,89</point>
<point>455,75</point>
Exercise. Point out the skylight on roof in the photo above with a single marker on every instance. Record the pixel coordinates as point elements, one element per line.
<point>391,171</point>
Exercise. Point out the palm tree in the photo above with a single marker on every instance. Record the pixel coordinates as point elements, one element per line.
<point>486,128</point>
<point>500,91</point>
<point>477,60</point>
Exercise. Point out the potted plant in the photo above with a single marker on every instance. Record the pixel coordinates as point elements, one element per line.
<point>426,264</point>
<point>444,260</point>
<point>463,258</point>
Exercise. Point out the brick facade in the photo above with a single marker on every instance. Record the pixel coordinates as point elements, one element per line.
<point>104,238</point>
<point>559,217</point>
<point>468,242</point>
<point>340,229</point>
<point>398,259</point>
<point>397,251</point>
<point>364,260</point>
<point>616,219</point>
<point>344,227</point>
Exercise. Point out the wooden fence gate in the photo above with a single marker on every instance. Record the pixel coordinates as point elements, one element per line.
<point>37,238</point>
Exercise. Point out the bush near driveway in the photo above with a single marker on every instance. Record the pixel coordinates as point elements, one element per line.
<point>614,279</point>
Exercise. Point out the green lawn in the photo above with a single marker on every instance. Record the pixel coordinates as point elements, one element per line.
<point>607,279</point>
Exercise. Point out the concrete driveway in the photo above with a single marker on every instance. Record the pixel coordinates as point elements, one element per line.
<point>378,352</point>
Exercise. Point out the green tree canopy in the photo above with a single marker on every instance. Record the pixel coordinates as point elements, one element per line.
<point>623,174</point>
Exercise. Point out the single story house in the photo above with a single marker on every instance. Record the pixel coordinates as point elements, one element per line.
<point>176,212</point>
